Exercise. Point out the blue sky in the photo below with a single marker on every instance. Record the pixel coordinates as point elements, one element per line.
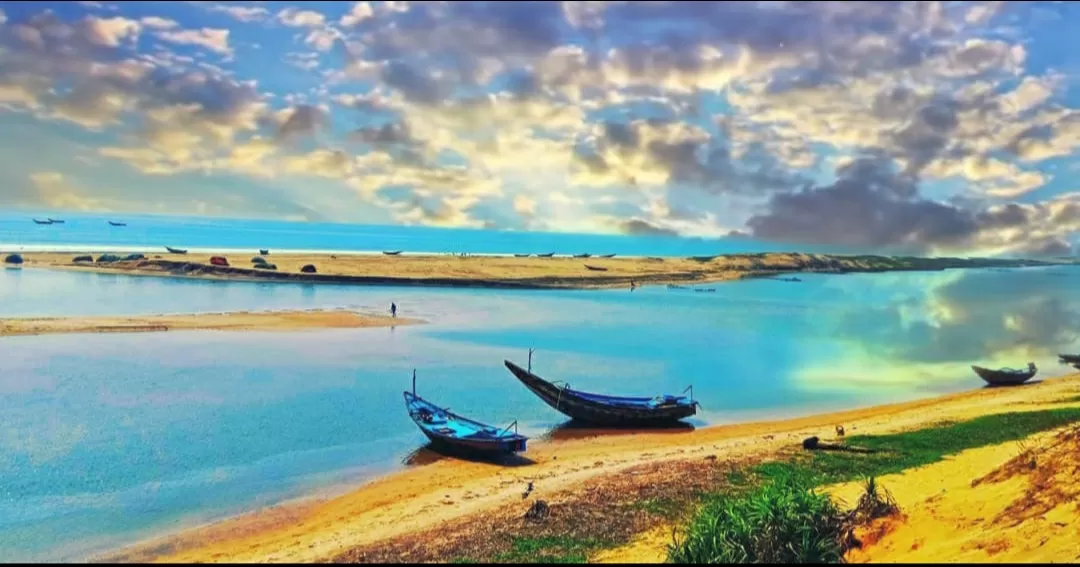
<point>933,127</point>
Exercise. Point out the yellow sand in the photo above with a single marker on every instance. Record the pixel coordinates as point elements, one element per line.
<point>559,271</point>
<point>239,321</point>
<point>425,497</point>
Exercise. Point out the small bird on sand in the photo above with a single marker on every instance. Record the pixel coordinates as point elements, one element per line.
<point>528,491</point>
<point>839,430</point>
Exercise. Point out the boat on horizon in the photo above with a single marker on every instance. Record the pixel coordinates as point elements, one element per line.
<point>176,250</point>
<point>1006,376</point>
<point>453,433</point>
<point>583,256</point>
<point>1069,358</point>
<point>606,410</point>
<point>38,221</point>
<point>548,255</point>
<point>118,223</point>
<point>394,253</point>
<point>607,256</point>
<point>56,221</point>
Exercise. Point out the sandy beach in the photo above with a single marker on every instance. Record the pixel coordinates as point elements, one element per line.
<point>434,511</point>
<point>504,271</point>
<point>239,321</point>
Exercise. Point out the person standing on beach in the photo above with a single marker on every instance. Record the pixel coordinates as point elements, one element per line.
<point>393,310</point>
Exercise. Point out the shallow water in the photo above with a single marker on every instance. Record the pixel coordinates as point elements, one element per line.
<point>109,438</point>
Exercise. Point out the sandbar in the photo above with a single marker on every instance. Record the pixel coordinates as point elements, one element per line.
<point>281,321</point>
<point>507,271</point>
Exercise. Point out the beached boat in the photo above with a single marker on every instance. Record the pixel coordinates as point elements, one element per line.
<point>264,252</point>
<point>36,221</point>
<point>521,255</point>
<point>583,255</point>
<point>1006,376</point>
<point>548,255</point>
<point>607,256</point>
<point>394,253</point>
<point>176,250</point>
<point>606,410</point>
<point>56,221</point>
<point>595,268</point>
<point>117,223</point>
<point>13,259</point>
<point>453,433</point>
<point>1069,358</point>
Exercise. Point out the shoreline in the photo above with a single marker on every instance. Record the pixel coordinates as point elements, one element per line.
<point>392,514</point>
<point>246,321</point>
<point>512,272</point>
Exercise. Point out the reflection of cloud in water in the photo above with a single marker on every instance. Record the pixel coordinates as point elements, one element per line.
<point>978,317</point>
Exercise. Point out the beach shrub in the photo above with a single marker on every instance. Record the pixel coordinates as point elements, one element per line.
<point>783,521</point>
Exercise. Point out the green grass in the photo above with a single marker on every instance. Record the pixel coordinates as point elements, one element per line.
<point>773,514</point>
<point>912,449</point>
<point>549,550</point>
<point>780,522</point>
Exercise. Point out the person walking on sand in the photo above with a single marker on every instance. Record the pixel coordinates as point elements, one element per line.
<point>393,310</point>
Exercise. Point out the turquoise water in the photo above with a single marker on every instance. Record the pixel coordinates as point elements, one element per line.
<point>107,439</point>
<point>17,230</point>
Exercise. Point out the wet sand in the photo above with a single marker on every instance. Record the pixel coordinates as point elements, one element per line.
<point>426,506</point>
<point>503,271</point>
<point>239,321</point>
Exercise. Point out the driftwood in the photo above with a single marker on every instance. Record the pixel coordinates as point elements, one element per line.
<point>815,444</point>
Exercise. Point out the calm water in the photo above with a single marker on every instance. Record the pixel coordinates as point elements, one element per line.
<point>17,230</point>
<point>106,439</point>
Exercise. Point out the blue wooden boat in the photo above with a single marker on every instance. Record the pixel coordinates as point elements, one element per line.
<point>599,409</point>
<point>176,250</point>
<point>452,433</point>
<point>1006,376</point>
<point>36,221</point>
<point>117,223</point>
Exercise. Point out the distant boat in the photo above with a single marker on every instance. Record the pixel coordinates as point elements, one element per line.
<point>548,255</point>
<point>607,256</point>
<point>1069,358</point>
<point>36,221</point>
<point>1006,376</point>
<point>521,255</point>
<point>394,253</point>
<point>118,223</point>
<point>595,268</point>
<point>583,256</point>
<point>606,410</point>
<point>56,221</point>
<point>176,250</point>
<point>451,432</point>
<point>264,252</point>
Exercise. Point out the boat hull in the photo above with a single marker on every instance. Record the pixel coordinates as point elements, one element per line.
<point>449,439</point>
<point>576,407</point>
<point>471,447</point>
<point>997,378</point>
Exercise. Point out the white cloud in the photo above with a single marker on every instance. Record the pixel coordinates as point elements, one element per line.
<point>110,32</point>
<point>359,12</point>
<point>295,18</point>
<point>213,39</point>
<point>241,13</point>
<point>158,23</point>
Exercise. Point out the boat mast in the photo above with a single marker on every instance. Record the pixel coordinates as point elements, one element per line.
<point>414,382</point>
<point>530,360</point>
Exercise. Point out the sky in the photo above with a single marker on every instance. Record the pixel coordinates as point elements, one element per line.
<point>923,127</point>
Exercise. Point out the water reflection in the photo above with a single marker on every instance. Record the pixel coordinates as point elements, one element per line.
<point>429,454</point>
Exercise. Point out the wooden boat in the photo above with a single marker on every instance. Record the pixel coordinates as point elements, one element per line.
<point>176,250</point>
<point>36,221</point>
<point>453,433</point>
<point>583,256</point>
<point>219,261</point>
<point>264,252</point>
<point>1006,376</point>
<point>606,410</point>
<point>521,255</point>
<point>118,223</point>
<point>1069,358</point>
<point>607,256</point>
<point>394,253</point>
<point>595,268</point>
<point>56,221</point>
<point>548,255</point>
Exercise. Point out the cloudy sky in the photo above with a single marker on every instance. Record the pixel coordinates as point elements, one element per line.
<point>930,127</point>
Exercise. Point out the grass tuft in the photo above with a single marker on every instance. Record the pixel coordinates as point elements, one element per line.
<point>549,549</point>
